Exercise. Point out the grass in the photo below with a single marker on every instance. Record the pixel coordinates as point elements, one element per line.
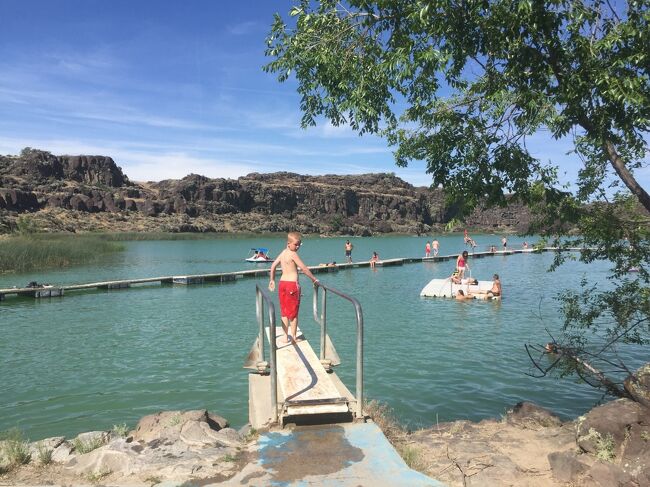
<point>15,449</point>
<point>21,253</point>
<point>83,447</point>
<point>175,419</point>
<point>251,435</point>
<point>95,477</point>
<point>121,430</point>
<point>396,434</point>
<point>44,454</point>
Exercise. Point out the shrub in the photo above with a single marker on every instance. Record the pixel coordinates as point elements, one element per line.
<point>15,448</point>
<point>87,446</point>
<point>121,430</point>
<point>44,454</point>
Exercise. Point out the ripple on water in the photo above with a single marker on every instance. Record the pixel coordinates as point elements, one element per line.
<point>94,359</point>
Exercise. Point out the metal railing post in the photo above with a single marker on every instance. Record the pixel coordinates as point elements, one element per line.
<point>260,320</point>
<point>322,320</point>
<point>274,369</point>
<point>323,331</point>
<point>260,297</point>
<point>359,360</point>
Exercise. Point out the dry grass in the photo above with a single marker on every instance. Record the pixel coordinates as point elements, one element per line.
<point>397,435</point>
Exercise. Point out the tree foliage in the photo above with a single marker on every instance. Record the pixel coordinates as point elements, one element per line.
<point>463,84</point>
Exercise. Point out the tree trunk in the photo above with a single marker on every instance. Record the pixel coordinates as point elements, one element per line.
<point>626,176</point>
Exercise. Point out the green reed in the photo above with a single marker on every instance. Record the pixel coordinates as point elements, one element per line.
<point>21,253</point>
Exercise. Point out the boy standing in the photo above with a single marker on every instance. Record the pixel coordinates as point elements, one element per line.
<point>289,290</point>
<point>436,246</point>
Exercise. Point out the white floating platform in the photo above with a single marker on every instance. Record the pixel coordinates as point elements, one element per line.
<point>444,288</point>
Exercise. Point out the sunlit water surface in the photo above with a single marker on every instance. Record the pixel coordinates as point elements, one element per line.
<point>90,360</point>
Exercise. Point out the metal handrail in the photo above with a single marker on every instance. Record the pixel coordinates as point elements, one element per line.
<point>322,321</point>
<point>261,297</point>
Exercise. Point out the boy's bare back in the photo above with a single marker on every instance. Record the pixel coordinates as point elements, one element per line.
<point>288,263</point>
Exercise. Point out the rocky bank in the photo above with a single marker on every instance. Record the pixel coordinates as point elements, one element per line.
<point>607,447</point>
<point>91,193</point>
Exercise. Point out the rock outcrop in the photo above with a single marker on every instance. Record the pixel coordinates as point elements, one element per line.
<point>175,446</point>
<point>608,447</point>
<point>38,184</point>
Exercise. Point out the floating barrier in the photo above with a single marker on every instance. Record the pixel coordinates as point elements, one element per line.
<point>58,291</point>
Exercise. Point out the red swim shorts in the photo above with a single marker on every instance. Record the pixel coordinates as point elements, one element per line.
<point>289,293</point>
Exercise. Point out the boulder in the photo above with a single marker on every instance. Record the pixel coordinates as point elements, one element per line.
<point>527,414</point>
<point>229,437</point>
<point>608,475</point>
<point>45,445</point>
<point>613,419</point>
<point>198,433</point>
<point>638,385</point>
<point>166,425</point>
<point>63,453</point>
<point>566,466</point>
<point>110,458</point>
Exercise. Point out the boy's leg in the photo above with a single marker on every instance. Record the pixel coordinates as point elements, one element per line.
<point>285,325</point>
<point>294,328</point>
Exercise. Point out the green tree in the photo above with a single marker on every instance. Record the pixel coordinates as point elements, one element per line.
<point>462,84</point>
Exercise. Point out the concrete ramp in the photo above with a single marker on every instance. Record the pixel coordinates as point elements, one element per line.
<point>338,455</point>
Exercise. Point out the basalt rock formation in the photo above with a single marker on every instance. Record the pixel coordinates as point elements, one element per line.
<point>71,193</point>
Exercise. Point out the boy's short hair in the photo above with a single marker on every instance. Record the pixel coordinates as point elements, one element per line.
<point>495,276</point>
<point>294,236</point>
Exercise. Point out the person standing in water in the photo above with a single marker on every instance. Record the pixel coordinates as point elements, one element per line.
<point>289,290</point>
<point>348,251</point>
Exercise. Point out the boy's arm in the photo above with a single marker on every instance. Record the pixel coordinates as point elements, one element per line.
<point>272,273</point>
<point>305,269</point>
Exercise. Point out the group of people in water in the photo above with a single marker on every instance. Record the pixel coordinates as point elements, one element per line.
<point>458,277</point>
<point>289,289</point>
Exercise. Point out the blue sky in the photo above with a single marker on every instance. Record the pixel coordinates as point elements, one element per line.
<point>168,88</point>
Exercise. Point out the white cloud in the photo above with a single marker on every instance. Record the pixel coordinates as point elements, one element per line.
<point>243,28</point>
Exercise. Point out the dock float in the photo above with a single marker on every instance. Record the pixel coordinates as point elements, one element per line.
<point>58,291</point>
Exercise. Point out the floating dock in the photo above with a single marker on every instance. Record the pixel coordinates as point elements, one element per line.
<point>444,288</point>
<point>56,291</point>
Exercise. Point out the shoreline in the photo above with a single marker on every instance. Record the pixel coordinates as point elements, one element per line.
<point>528,446</point>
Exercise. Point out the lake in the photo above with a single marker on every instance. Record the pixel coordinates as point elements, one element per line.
<point>91,360</point>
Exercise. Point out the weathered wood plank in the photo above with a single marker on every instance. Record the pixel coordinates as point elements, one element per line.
<point>301,377</point>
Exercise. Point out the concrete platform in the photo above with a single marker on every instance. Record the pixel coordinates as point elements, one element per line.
<point>338,455</point>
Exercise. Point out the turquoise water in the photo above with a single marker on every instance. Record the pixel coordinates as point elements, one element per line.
<point>90,360</point>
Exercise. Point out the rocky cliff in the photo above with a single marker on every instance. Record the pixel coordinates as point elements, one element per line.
<point>71,193</point>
